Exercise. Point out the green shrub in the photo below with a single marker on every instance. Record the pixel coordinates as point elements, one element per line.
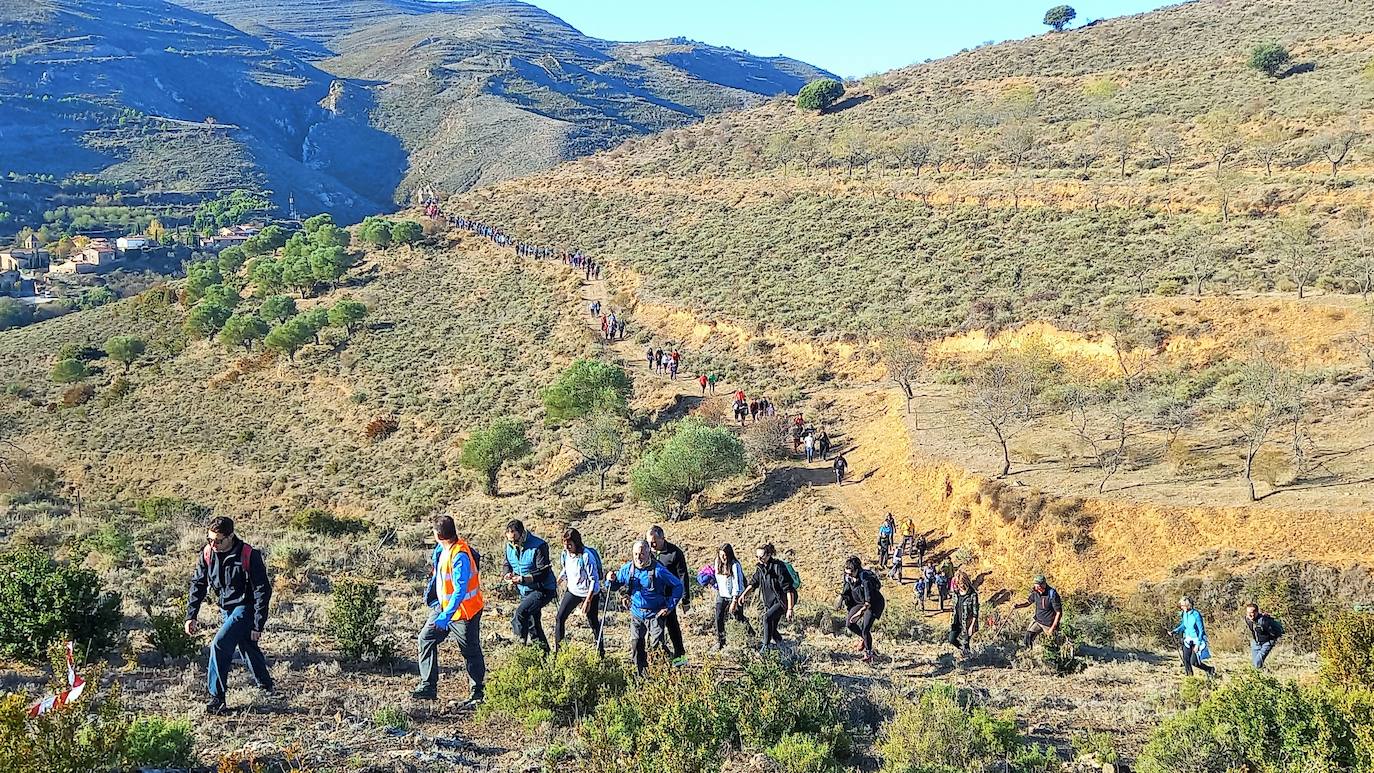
<point>315,520</point>
<point>1099,747</point>
<point>487,451</point>
<point>160,509</point>
<point>154,742</point>
<point>561,689</point>
<point>820,94</point>
<point>87,735</point>
<point>1260,724</point>
<point>942,732</point>
<point>392,718</point>
<point>773,700</point>
<point>902,620</point>
<point>354,614</point>
<point>1270,59</point>
<point>168,636</point>
<point>112,541</point>
<point>1060,16</point>
<point>69,371</point>
<point>585,387</point>
<point>1347,650</point>
<point>671,473</point>
<point>43,602</point>
<point>798,753</point>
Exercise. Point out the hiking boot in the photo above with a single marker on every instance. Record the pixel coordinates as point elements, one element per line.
<point>424,693</point>
<point>216,707</point>
<point>679,661</point>
<point>471,704</point>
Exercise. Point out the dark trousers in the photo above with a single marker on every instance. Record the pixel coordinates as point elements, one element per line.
<point>644,635</point>
<point>468,633</point>
<point>1187,652</point>
<point>725,608</point>
<point>571,603</point>
<point>528,621</point>
<point>235,633</point>
<point>862,625</point>
<point>772,617</point>
<point>884,545</point>
<point>674,629</point>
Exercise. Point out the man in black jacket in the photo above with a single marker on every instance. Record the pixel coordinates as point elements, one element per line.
<point>675,561</point>
<point>1264,633</point>
<point>238,576</point>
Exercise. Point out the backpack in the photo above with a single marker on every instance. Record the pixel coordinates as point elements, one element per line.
<point>247,551</point>
<point>796,578</point>
<point>1278,627</point>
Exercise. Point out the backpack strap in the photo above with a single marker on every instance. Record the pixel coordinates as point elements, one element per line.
<point>205,555</point>
<point>247,553</point>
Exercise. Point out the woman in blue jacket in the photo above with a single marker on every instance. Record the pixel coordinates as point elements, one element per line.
<point>1193,643</point>
<point>652,593</point>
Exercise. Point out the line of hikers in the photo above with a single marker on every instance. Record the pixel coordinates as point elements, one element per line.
<point>654,585</point>
<point>577,259</point>
<point>612,324</point>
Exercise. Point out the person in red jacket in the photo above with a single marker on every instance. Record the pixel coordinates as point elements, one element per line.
<point>702,380</point>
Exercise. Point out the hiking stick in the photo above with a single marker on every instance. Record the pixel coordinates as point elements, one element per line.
<point>605,609</point>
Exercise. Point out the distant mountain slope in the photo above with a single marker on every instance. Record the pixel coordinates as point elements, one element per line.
<point>484,90</point>
<point>347,106</point>
<point>154,93</point>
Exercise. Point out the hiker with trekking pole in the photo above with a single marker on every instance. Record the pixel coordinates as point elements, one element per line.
<point>651,593</point>
<point>454,597</point>
<point>235,571</point>
<point>581,577</point>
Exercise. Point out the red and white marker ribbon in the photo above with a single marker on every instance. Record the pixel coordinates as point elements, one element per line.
<point>69,695</point>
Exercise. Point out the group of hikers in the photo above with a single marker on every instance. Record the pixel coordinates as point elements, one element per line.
<point>612,324</point>
<point>590,268</point>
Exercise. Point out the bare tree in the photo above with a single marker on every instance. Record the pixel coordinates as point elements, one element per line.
<point>1121,139</point>
<point>1221,138</point>
<point>601,441</point>
<point>1337,144</point>
<point>904,354</point>
<point>1105,421</point>
<point>978,159</point>
<point>854,147</point>
<point>1000,396</point>
<point>1265,401</point>
<point>1134,342</point>
<point>1165,142</point>
<point>808,150</point>
<point>779,149</point>
<point>940,153</point>
<point>1294,243</point>
<point>1015,141</point>
<point>1199,259</point>
<point>912,151</point>
<point>1361,259</point>
<point>1227,185</point>
<point>1270,143</point>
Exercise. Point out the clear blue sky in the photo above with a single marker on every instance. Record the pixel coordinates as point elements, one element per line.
<point>850,38</point>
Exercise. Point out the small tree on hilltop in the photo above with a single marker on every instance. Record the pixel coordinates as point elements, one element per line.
<point>820,94</point>
<point>1270,59</point>
<point>243,330</point>
<point>347,313</point>
<point>669,476</point>
<point>600,440</point>
<point>125,350</point>
<point>587,386</point>
<point>407,232</point>
<point>288,337</point>
<point>486,451</point>
<point>1060,17</point>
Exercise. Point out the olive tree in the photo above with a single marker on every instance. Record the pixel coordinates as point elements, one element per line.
<point>600,439</point>
<point>675,471</point>
<point>1000,396</point>
<point>1060,17</point>
<point>125,350</point>
<point>585,387</point>
<point>487,450</point>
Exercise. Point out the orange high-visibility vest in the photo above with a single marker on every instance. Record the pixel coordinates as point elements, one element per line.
<point>471,602</point>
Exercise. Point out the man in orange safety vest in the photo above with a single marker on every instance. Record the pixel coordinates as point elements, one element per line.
<point>454,596</point>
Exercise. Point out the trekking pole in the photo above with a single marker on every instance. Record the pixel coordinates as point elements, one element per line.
<point>605,609</point>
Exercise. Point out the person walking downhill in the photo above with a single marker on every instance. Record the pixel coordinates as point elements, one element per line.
<point>729,586</point>
<point>963,623</point>
<point>1192,647</point>
<point>1049,610</point>
<point>702,380</point>
<point>862,596</point>
<point>823,443</point>
<point>235,571</point>
<point>675,561</point>
<point>581,577</point>
<point>809,444</point>
<point>774,582</point>
<point>841,466</point>
<point>530,571</point>
<point>652,594</point>
<point>454,598</point>
<point>1264,634</point>
<point>649,358</point>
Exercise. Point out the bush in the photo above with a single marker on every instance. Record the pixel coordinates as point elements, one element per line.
<point>380,427</point>
<point>942,731</point>
<point>1098,747</point>
<point>69,371</point>
<point>693,457</point>
<point>1347,650</point>
<point>43,602</point>
<point>154,742</point>
<point>354,614</point>
<point>562,689</point>
<point>77,394</point>
<point>488,450</point>
<point>1257,723</point>
<point>168,636</point>
<point>797,753</point>
<point>392,718</point>
<point>158,509</point>
<point>586,387</point>
<point>820,94</point>
<point>124,350</point>
<point>86,735</point>
<point>773,701</point>
<point>1270,59</point>
<point>326,524</point>
<point>902,620</point>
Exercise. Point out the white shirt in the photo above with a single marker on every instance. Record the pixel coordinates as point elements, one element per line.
<point>580,573</point>
<point>730,585</point>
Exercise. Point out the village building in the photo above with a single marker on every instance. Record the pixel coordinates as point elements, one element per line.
<point>26,257</point>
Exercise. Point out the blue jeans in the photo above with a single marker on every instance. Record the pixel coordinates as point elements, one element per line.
<point>1260,652</point>
<point>233,634</point>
